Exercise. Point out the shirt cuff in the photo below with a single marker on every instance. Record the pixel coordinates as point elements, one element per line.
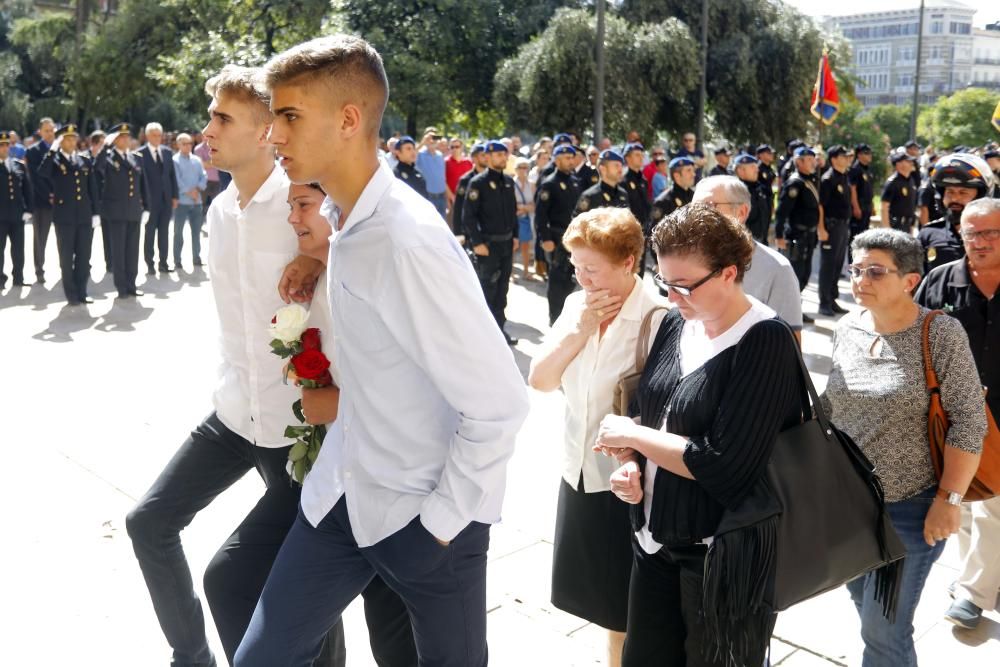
<point>440,518</point>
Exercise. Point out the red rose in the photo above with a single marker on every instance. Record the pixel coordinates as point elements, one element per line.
<point>310,364</point>
<point>310,339</point>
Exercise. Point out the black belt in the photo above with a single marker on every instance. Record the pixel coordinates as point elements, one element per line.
<point>497,238</point>
<point>804,228</point>
<point>903,218</point>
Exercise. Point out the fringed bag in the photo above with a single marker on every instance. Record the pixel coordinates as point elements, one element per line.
<point>815,521</point>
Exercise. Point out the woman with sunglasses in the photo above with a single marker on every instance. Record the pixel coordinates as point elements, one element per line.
<point>876,393</point>
<point>708,421</point>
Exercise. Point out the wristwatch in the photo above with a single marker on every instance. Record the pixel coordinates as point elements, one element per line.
<point>949,497</point>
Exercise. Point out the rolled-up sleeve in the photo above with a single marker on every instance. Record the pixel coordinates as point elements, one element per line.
<point>961,392</point>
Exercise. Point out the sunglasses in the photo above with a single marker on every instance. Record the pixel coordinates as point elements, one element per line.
<point>683,290</point>
<point>986,235</point>
<point>874,272</point>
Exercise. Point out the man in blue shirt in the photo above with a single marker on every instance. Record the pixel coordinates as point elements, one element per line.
<point>430,162</point>
<point>191,183</point>
<point>689,149</point>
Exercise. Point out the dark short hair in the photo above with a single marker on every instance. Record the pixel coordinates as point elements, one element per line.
<point>907,252</point>
<point>698,229</point>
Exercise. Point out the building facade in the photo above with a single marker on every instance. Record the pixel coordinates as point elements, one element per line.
<point>986,57</point>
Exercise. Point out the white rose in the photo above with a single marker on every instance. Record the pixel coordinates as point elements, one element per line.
<point>289,323</point>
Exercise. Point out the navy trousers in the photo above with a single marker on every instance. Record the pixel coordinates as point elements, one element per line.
<point>320,570</point>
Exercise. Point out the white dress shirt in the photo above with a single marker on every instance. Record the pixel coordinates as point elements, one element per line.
<point>250,248</point>
<point>431,399</point>
<point>589,381</point>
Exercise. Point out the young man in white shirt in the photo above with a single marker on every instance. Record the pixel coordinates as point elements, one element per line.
<point>250,246</point>
<point>413,471</point>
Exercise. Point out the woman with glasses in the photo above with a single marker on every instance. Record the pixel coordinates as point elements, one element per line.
<point>877,394</point>
<point>592,344</point>
<point>708,418</point>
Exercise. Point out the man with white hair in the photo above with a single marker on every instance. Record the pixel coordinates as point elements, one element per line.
<point>770,278</point>
<point>161,197</point>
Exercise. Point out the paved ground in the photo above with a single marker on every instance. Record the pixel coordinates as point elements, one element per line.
<point>96,399</point>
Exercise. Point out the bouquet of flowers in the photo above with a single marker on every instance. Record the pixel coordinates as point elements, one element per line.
<point>290,339</point>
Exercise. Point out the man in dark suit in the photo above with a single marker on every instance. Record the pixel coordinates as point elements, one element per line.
<point>74,211</point>
<point>121,206</point>
<point>41,207</point>
<point>160,196</point>
<point>15,201</point>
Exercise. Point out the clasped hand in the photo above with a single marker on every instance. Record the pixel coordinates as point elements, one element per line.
<point>600,306</point>
<point>617,437</point>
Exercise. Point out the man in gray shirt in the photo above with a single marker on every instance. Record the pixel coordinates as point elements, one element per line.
<point>770,278</point>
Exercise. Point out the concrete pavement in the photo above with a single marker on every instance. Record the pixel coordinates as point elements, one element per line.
<point>95,401</point>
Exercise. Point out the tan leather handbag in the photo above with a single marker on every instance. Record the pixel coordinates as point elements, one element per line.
<point>629,383</point>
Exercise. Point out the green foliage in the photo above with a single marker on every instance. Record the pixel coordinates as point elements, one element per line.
<point>962,118</point>
<point>650,68</point>
<point>855,126</point>
<point>893,120</point>
<point>14,104</point>
<point>45,47</point>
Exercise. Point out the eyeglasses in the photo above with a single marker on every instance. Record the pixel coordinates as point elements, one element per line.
<point>986,235</point>
<point>874,272</point>
<point>455,147</point>
<point>683,290</point>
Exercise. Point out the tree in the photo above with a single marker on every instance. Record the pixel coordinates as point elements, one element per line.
<point>44,47</point>
<point>893,120</point>
<point>855,126</point>
<point>548,84</point>
<point>960,119</point>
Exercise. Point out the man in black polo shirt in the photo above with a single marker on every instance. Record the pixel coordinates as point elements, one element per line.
<point>862,191</point>
<point>959,179</point>
<point>899,195</point>
<point>835,198</point>
<point>967,290</point>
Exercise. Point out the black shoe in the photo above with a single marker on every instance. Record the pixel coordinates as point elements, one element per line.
<point>198,262</point>
<point>40,279</point>
<point>807,319</point>
<point>137,292</point>
<point>837,308</point>
<point>165,269</point>
<point>87,300</point>
<point>150,271</point>
<point>826,311</point>
<point>509,339</point>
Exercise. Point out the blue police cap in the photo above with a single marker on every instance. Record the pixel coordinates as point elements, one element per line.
<point>562,138</point>
<point>898,156</point>
<point>477,149</point>
<point>679,162</point>
<point>496,147</point>
<point>836,151</point>
<point>563,149</point>
<point>764,148</point>
<point>405,139</point>
<point>744,158</point>
<point>804,151</point>
<point>611,155</point>
<point>633,147</point>
<point>862,148</point>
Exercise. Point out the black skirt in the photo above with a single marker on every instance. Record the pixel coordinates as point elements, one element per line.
<point>592,557</point>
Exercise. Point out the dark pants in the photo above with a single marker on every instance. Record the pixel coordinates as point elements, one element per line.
<point>801,244</point>
<point>106,240</point>
<point>858,225</point>
<point>561,282</point>
<point>210,193</point>
<point>211,460</point>
<point>903,223</point>
<point>665,627</point>
<point>41,220</point>
<point>831,260</point>
<point>74,242</point>
<point>124,254</point>
<point>494,276</point>
<point>320,570</point>
<point>13,230</point>
<point>158,226</point>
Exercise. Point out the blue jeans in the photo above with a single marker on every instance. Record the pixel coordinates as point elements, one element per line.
<point>194,215</point>
<point>438,199</point>
<point>891,644</point>
<point>320,570</point>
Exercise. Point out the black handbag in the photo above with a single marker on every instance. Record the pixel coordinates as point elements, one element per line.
<point>815,521</point>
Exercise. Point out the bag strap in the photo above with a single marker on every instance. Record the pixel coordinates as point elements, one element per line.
<point>929,373</point>
<point>642,344</point>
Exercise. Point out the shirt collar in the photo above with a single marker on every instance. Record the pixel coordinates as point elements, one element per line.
<point>632,308</point>
<point>960,276</point>
<point>364,208</point>
<point>267,190</point>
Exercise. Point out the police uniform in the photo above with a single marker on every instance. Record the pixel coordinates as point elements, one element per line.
<point>490,218</point>
<point>636,188</point>
<point>941,242</point>
<point>73,212</point>
<point>835,198</point>
<point>928,197</point>
<point>587,176</point>
<point>557,198</point>
<point>121,206</point>
<point>15,203</point>
<point>860,178</point>
<point>461,189</point>
<point>409,174</point>
<point>795,221</point>
<point>602,194</point>
<point>669,201</point>
<point>759,219</point>
<point>902,199</point>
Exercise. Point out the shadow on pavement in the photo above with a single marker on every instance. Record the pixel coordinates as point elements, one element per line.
<point>987,630</point>
<point>123,316</point>
<point>69,320</point>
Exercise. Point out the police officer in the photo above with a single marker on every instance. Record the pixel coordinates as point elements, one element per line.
<point>550,168</point>
<point>833,230</point>
<point>929,206</point>
<point>992,157</point>
<point>557,198</point>
<point>74,211</point>
<point>490,218</point>
<point>912,150</point>
<point>607,192</point>
<point>637,188</point>
<point>862,191</point>
<point>15,211</point>
<point>586,175</point>
<point>406,169</point>
<point>959,178</point>
<point>121,206</point>
<point>480,162</point>
<point>786,165</point>
<point>758,220</point>
<point>680,192</point>
<point>899,197</point>
<point>798,216</point>
<point>722,157</point>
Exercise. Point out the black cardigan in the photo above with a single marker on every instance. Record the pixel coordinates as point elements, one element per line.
<point>730,409</point>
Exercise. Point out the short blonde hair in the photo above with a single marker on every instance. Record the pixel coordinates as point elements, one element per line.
<point>613,232</point>
<point>243,83</point>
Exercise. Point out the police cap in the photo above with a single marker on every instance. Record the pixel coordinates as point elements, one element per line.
<point>990,154</point>
<point>633,147</point>
<point>4,138</point>
<point>898,156</point>
<point>836,151</point>
<point>764,148</point>
<point>911,144</point>
<point>67,130</point>
<point>121,128</point>
<point>744,158</point>
<point>722,150</point>
<point>862,148</point>
<point>804,151</point>
<point>563,149</point>
<point>403,140</point>
<point>679,162</point>
<point>562,138</point>
<point>495,147</point>
<point>610,155</point>
<point>477,149</point>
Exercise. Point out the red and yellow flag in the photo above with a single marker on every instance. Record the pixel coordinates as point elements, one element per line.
<point>825,102</point>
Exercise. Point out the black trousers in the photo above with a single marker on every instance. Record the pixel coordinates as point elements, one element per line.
<point>75,242</point>
<point>801,244</point>
<point>158,228</point>
<point>494,276</point>
<point>561,282</point>
<point>124,253</point>
<point>106,242</point>
<point>211,460</point>
<point>857,226</point>
<point>41,220</point>
<point>831,259</point>
<point>665,627</point>
<point>13,230</point>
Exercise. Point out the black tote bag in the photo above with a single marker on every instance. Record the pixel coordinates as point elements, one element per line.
<point>815,521</point>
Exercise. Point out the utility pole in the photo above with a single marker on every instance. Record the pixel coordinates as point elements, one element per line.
<point>599,85</point>
<point>916,76</point>
<point>704,73</point>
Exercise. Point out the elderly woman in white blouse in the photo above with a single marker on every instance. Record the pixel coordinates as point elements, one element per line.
<point>591,346</point>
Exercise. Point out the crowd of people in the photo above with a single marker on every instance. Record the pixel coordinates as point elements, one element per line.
<point>405,257</point>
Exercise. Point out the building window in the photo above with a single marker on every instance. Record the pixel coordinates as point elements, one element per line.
<point>937,27</point>
<point>960,28</point>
